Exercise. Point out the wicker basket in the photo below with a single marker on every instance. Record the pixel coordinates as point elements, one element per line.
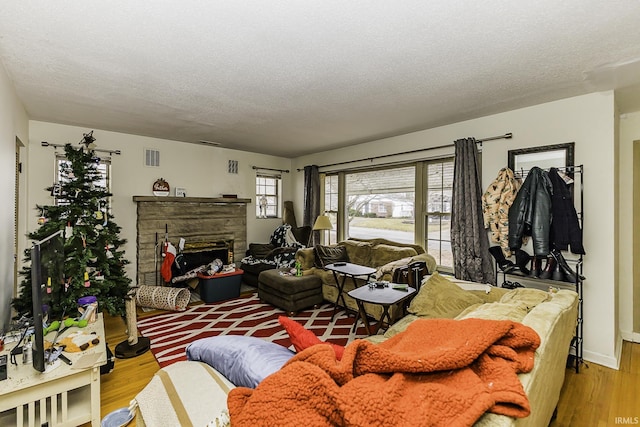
<point>164,298</point>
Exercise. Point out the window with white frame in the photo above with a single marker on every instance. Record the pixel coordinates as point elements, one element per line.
<point>103,166</point>
<point>381,203</point>
<point>439,193</point>
<point>331,189</point>
<point>268,188</point>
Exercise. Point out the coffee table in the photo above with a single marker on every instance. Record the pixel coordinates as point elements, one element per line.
<point>347,269</point>
<point>386,297</point>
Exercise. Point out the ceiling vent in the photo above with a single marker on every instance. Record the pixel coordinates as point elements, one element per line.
<point>151,158</point>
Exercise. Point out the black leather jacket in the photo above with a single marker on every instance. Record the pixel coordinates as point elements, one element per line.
<point>530,213</point>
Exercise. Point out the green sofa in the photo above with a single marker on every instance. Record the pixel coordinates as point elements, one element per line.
<point>383,255</point>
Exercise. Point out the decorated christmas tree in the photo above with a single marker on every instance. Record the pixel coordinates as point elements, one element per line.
<point>94,263</point>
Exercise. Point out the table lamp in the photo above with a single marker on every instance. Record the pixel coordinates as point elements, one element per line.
<point>322,223</point>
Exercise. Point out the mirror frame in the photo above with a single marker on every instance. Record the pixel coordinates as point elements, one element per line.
<point>569,155</point>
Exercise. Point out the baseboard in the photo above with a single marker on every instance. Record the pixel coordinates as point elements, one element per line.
<point>612,362</point>
<point>630,336</point>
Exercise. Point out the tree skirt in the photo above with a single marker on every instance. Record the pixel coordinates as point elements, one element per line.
<point>170,333</point>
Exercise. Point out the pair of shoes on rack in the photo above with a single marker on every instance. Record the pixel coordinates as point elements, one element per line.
<point>536,266</point>
<point>504,264</point>
<point>551,271</point>
<point>522,259</point>
<point>556,268</point>
<point>567,273</point>
<point>507,266</point>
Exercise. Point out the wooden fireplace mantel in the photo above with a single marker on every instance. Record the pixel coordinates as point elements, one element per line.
<point>189,199</point>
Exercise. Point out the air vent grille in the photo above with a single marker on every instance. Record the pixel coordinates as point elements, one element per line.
<point>151,157</point>
<point>233,166</point>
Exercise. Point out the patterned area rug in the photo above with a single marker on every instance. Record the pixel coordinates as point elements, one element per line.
<point>170,333</point>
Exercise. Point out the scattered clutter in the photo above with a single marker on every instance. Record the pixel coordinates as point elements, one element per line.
<point>87,308</point>
<point>511,285</point>
<point>79,341</point>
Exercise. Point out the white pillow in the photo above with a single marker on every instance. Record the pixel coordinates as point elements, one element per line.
<point>190,389</point>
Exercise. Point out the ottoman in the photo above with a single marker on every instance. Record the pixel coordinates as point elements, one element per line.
<point>290,293</point>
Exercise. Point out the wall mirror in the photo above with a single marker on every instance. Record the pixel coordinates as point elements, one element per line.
<point>545,157</point>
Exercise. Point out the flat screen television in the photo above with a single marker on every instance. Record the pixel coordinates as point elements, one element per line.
<point>47,273</point>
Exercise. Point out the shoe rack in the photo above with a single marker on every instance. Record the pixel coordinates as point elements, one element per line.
<point>574,264</point>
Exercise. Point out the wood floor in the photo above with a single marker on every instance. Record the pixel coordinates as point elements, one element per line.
<point>597,396</point>
<point>600,396</point>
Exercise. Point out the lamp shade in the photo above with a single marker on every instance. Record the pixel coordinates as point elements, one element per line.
<point>322,223</point>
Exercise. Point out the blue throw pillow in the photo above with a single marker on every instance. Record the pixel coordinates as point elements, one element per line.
<point>245,361</point>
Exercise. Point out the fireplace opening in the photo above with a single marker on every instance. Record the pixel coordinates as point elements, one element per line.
<point>197,254</point>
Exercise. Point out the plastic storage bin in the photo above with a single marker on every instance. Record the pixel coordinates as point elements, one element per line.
<point>220,286</point>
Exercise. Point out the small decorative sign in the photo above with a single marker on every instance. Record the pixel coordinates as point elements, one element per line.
<point>161,188</point>
<point>181,192</point>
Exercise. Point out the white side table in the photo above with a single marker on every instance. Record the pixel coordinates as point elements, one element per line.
<point>65,396</point>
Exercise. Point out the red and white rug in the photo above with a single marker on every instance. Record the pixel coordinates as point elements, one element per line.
<point>171,333</point>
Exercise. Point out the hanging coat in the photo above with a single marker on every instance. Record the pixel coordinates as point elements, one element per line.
<point>530,213</point>
<point>565,227</point>
<point>496,201</point>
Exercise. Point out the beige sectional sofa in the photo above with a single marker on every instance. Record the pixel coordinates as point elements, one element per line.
<point>552,316</point>
<point>383,255</point>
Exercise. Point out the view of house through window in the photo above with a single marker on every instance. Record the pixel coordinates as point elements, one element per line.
<point>268,196</point>
<point>439,189</point>
<point>381,203</point>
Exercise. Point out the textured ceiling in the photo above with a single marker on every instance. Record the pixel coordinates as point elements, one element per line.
<point>292,77</point>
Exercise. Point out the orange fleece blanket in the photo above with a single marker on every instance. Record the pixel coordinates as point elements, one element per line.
<point>438,372</point>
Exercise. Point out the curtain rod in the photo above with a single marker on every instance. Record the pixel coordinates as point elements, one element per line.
<point>270,169</point>
<point>48,144</point>
<point>479,141</point>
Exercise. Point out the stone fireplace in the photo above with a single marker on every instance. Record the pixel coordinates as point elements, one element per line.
<point>211,224</point>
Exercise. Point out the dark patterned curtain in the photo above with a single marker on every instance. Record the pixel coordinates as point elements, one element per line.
<point>469,242</point>
<point>312,199</point>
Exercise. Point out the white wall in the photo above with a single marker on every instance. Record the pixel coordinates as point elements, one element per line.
<point>202,170</point>
<point>13,124</point>
<point>586,120</point>
<point>629,132</point>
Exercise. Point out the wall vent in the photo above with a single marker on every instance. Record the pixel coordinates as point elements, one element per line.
<point>151,157</point>
<point>233,166</point>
